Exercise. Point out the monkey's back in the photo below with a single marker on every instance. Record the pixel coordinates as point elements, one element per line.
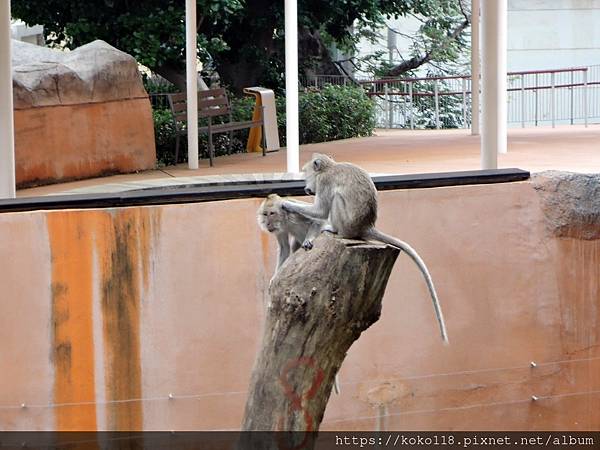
<point>359,199</point>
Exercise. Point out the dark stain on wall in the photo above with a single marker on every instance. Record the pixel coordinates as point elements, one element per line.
<point>125,275</point>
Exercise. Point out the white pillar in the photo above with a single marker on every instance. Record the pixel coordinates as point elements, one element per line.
<point>191,70</point>
<point>475,67</point>
<point>493,82</point>
<point>7,132</point>
<point>291,86</point>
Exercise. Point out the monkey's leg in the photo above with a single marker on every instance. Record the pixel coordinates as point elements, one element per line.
<point>283,250</point>
<point>295,244</point>
<point>341,219</point>
<point>316,227</point>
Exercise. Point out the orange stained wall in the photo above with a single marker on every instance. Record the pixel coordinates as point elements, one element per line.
<point>107,312</point>
<point>110,137</point>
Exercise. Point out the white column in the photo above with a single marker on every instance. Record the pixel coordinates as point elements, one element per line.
<point>291,86</point>
<point>475,67</point>
<point>7,132</point>
<point>493,82</point>
<point>191,70</point>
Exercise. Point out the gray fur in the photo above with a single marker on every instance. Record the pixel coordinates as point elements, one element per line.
<point>287,226</point>
<point>346,197</point>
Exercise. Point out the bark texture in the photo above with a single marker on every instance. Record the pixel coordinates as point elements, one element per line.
<point>320,302</point>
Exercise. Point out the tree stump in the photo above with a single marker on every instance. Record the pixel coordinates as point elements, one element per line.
<point>319,303</point>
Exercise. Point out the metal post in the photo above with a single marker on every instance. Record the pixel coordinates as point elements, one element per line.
<point>191,70</point>
<point>437,104</point>
<point>464,102</point>
<point>412,107</point>
<point>388,105</point>
<point>553,105</point>
<point>536,100</point>
<point>7,131</point>
<point>291,86</point>
<point>572,88</point>
<point>404,116</point>
<point>475,67</point>
<point>523,100</point>
<point>585,96</point>
<point>493,136</point>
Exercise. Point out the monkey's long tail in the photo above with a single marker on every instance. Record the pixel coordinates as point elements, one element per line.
<point>377,235</point>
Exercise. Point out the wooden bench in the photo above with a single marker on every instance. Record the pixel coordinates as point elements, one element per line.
<point>211,103</point>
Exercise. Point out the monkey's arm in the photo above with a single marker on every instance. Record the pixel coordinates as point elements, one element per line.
<point>312,211</point>
<point>283,250</point>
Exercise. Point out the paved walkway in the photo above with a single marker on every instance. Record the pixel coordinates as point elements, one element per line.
<point>571,148</point>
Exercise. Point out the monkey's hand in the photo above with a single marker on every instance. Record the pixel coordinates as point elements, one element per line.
<point>307,244</point>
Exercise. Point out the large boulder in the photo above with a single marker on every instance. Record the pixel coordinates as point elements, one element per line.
<point>79,114</point>
<point>95,72</point>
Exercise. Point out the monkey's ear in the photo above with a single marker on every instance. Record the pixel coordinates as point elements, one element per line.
<point>317,164</point>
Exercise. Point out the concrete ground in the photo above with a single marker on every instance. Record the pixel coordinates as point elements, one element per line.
<point>571,148</point>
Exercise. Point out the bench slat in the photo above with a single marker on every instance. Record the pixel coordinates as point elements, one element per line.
<point>181,116</point>
<point>212,112</point>
<point>178,97</point>
<point>177,107</point>
<point>233,126</point>
<point>212,93</point>
<point>203,104</point>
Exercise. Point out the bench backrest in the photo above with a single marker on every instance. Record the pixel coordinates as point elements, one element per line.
<point>211,103</point>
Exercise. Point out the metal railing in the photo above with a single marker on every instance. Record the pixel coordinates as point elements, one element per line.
<point>561,96</point>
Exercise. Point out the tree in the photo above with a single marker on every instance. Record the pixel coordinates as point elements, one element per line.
<point>440,40</point>
<point>242,39</point>
<point>319,304</point>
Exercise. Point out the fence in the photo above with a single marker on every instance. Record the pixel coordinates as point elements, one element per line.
<point>562,96</point>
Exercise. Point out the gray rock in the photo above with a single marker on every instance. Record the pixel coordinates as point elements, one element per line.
<point>93,73</point>
<point>571,203</point>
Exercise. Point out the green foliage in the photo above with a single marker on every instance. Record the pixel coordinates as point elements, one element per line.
<point>241,39</point>
<point>336,112</point>
<point>450,109</point>
<point>153,31</point>
<point>158,87</point>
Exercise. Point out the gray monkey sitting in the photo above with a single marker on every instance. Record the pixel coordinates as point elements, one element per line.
<point>346,197</point>
<point>286,226</point>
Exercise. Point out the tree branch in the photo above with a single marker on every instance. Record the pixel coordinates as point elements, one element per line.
<point>419,60</point>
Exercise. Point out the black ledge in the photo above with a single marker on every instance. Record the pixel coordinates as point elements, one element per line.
<point>236,190</point>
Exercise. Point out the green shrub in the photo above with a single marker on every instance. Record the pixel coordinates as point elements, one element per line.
<point>335,112</point>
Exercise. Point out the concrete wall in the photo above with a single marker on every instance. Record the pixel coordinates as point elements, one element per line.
<point>136,303</point>
<point>551,34</point>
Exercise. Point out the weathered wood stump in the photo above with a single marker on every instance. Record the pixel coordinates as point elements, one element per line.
<point>320,302</point>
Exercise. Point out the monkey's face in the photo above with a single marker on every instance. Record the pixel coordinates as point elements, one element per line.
<point>312,169</point>
<point>269,216</point>
<point>310,177</point>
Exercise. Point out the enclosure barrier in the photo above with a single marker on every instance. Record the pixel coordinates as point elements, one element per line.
<point>105,326</point>
<point>559,96</point>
